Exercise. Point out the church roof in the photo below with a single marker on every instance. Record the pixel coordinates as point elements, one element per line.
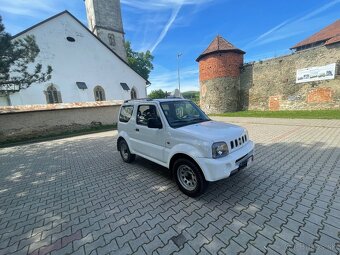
<point>219,45</point>
<point>329,35</point>
<point>68,13</point>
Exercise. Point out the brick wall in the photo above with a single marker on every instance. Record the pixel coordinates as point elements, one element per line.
<point>271,84</point>
<point>220,65</point>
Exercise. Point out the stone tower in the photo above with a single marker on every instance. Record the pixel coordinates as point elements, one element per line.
<point>105,21</point>
<point>219,74</point>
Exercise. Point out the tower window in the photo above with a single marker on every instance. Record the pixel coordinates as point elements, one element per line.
<point>53,96</point>
<point>112,40</point>
<point>70,39</point>
<point>99,93</point>
<point>133,93</point>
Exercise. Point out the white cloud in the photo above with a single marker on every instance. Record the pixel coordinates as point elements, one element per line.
<point>151,5</point>
<point>153,29</point>
<point>30,8</point>
<point>292,26</point>
<point>166,28</point>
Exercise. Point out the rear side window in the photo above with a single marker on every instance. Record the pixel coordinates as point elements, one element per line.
<point>125,113</point>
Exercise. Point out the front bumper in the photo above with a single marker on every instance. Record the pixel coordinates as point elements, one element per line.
<point>217,169</point>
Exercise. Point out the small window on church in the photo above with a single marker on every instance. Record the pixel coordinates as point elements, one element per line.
<point>53,96</point>
<point>99,93</point>
<point>133,93</point>
<point>70,39</point>
<point>112,40</point>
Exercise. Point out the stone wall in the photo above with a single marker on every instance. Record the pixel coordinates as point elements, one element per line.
<point>271,84</point>
<point>219,95</point>
<point>25,122</point>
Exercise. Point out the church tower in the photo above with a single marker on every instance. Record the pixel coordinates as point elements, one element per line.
<point>105,21</point>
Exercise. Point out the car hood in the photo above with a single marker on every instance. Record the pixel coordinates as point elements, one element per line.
<point>213,130</point>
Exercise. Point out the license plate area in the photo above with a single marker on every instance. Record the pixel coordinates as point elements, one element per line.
<point>246,162</point>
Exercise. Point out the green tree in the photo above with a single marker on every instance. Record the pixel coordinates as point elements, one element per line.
<point>157,94</point>
<point>16,55</point>
<point>141,62</point>
<point>192,95</point>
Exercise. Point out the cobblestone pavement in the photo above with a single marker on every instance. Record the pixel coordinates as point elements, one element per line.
<point>75,195</point>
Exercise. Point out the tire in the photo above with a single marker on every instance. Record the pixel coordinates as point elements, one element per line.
<point>125,153</point>
<point>189,178</point>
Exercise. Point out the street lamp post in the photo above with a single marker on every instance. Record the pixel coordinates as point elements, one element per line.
<point>179,77</point>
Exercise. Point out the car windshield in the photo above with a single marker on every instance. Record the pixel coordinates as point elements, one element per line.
<point>183,113</point>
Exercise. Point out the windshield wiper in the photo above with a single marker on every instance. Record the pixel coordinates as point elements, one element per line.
<point>199,119</point>
<point>179,121</point>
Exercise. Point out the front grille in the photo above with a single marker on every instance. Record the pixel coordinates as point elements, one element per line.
<point>238,142</point>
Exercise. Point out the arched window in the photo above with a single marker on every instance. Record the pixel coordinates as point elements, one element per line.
<point>133,93</point>
<point>53,96</point>
<point>112,40</point>
<point>99,93</point>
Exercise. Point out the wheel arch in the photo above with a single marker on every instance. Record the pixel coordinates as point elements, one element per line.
<point>118,142</point>
<point>185,156</point>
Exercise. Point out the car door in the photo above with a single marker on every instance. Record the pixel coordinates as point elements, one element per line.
<point>148,141</point>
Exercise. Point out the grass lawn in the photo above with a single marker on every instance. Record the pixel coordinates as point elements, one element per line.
<point>317,114</point>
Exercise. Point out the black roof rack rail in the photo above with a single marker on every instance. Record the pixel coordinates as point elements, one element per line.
<point>138,99</point>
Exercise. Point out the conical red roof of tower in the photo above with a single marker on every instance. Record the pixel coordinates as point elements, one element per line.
<point>218,45</point>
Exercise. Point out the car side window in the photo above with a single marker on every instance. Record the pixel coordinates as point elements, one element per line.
<point>126,113</point>
<point>146,112</point>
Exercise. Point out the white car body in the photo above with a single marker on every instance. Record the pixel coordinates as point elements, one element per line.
<point>194,141</point>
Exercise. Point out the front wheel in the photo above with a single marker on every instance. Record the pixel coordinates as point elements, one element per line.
<point>125,153</point>
<point>189,178</point>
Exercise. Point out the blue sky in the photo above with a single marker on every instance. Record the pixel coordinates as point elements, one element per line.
<point>262,28</point>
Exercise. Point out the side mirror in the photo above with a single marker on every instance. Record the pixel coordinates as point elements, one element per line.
<point>155,123</point>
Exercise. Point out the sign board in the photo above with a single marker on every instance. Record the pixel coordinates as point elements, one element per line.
<point>318,73</point>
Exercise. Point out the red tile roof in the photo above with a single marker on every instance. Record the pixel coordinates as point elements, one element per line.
<point>326,34</point>
<point>219,44</point>
<point>333,40</point>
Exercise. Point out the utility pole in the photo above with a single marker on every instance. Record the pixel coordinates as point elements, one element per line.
<point>179,77</point>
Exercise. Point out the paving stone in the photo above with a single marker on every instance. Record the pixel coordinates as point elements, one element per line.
<point>301,248</point>
<point>252,250</point>
<point>280,246</point>
<point>80,243</point>
<point>198,242</point>
<point>261,242</point>
<point>90,247</point>
<point>153,245</point>
<point>232,248</point>
<point>169,248</point>
<point>136,243</point>
<point>125,250</point>
<point>243,239</point>
<point>210,232</point>
<point>330,243</point>
<point>121,240</point>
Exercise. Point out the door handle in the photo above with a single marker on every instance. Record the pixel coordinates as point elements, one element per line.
<point>137,129</point>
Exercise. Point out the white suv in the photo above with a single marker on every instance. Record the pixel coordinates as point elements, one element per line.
<point>177,134</point>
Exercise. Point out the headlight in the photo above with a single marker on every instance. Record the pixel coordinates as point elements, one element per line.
<point>219,150</point>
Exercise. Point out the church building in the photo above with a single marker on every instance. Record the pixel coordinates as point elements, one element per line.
<point>89,64</point>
